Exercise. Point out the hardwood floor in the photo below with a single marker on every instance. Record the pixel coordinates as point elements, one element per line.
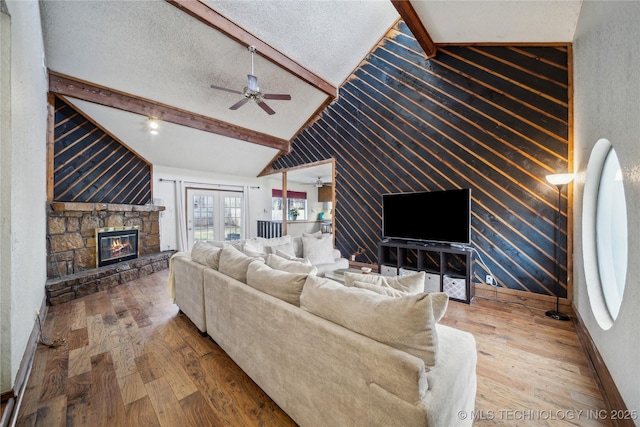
<point>129,358</point>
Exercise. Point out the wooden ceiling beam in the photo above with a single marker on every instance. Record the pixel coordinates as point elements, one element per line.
<point>210,17</point>
<point>68,86</point>
<point>413,21</point>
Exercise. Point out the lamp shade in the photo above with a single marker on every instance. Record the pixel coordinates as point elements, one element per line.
<point>560,178</point>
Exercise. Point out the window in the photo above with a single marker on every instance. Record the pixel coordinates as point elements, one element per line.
<point>604,233</point>
<point>213,215</point>
<point>296,200</point>
<point>232,217</point>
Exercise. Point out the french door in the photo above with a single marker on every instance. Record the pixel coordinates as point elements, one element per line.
<point>214,215</point>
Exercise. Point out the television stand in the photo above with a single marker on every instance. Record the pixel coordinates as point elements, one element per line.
<point>448,268</point>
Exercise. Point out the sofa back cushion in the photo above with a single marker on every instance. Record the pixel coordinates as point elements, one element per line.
<point>299,265</point>
<point>253,249</point>
<point>234,263</point>
<point>406,323</point>
<point>272,241</point>
<point>280,284</point>
<point>206,254</point>
<point>411,284</point>
<point>382,290</point>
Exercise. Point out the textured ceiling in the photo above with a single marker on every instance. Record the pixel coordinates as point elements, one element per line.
<point>153,50</point>
<point>499,21</point>
<point>328,37</point>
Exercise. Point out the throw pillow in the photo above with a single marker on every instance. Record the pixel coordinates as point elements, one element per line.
<point>272,241</point>
<point>382,290</point>
<point>234,263</point>
<point>280,284</point>
<point>253,249</point>
<point>406,323</point>
<point>287,248</point>
<point>319,251</point>
<point>411,284</point>
<point>278,263</point>
<point>285,255</point>
<point>317,234</point>
<point>206,254</point>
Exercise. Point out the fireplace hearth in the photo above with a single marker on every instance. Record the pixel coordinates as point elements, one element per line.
<point>116,244</point>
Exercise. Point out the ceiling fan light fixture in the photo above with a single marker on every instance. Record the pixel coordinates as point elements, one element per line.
<point>251,91</point>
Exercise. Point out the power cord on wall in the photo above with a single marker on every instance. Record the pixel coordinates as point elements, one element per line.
<point>495,281</point>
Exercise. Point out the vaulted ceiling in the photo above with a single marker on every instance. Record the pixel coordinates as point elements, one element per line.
<point>121,62</point>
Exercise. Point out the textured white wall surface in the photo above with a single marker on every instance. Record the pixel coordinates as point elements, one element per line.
<point>606,94</point>
<point>5,198</point>
<point>28,170</point>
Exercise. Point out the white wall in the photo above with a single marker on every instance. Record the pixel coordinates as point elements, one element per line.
<point>27,168</point>
<point>259,198</point>
<point>607,105</point>
<point>5,198</point>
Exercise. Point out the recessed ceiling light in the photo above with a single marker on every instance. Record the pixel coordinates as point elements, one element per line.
<point>153,126</point>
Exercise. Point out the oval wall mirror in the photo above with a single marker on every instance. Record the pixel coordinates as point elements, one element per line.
<point>604,219</point>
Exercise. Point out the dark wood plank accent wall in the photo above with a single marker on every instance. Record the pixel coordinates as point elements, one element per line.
<point>89,165</point>
<point>491,118</point>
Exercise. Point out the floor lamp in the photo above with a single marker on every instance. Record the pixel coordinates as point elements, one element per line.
<point>559,180</point>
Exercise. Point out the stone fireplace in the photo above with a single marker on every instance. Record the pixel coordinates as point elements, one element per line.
<point>75,249</point>
<point>72,228</point>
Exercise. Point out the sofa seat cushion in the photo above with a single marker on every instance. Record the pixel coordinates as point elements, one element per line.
<point>411,284</point>
<point>299,265</point>
<point>234,263</point>
<point>280,284</point>
<point>406,323</point>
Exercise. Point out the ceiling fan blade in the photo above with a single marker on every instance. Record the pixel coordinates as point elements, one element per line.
<point>252,83</point>
<point>277,96</point>
<point>225,89</point>
<point>266,108</point>
<point>239,104</point>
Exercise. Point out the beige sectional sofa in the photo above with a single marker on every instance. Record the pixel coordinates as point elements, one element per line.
<point>189,296</point>
<point>322,373</point>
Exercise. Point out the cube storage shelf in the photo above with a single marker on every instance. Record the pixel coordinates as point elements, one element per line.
<point>448,266</point>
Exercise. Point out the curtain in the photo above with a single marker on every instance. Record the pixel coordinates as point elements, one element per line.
<point>181,222</point>
<point>246,229</point>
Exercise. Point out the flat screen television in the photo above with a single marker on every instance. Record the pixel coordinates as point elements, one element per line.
<point>428,216</point>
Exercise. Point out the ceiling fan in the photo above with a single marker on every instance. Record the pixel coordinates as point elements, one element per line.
<point>252,92</point>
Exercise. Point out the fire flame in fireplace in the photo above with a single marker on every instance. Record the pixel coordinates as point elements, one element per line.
<point>118,247</point>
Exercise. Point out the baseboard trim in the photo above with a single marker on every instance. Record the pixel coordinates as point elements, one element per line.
<point>8,412</point>
<point>7,395</point>
<point>24,370</point>
<point>527,299</point>
<point>610,393</point>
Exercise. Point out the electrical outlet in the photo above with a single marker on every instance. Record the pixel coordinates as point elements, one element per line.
<point>489,279</point>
